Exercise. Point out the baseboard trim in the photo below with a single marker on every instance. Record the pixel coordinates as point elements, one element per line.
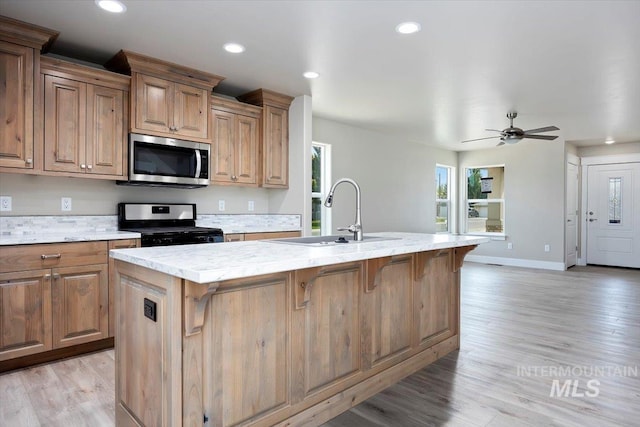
<point>516,262</point>
<point>57,354</point>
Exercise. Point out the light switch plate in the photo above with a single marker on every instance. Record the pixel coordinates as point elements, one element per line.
<point>546,248</point>
<point>5,203</point>
<point>221,205</point>
<point>65,204</point>
<point>251,206</point>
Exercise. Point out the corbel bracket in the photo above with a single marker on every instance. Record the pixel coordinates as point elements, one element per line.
<point>303,285</point>
<point>424,258</point>
<point>196,297</point>
<point>459,254</point>
<point>374,267</point>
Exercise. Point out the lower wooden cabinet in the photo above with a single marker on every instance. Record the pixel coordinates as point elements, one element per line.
<point>80,304</point>
<point>54,296</point>
<point>25,313</point>
<point>240,237</point>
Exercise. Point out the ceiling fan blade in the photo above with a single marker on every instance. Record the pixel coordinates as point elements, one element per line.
<point>547,137</point>
<point>500,143</point>
<point>544,129</point>
<point>480,139</point>
<point>493,130</point>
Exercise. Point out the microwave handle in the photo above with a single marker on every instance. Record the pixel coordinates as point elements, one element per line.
<point>198,163</point>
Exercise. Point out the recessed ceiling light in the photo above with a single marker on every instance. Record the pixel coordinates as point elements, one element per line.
<point>609,141</point>
<point>311,75</point>
<point>408,28</point>
<point>113,6</point>
<point>234,48</point>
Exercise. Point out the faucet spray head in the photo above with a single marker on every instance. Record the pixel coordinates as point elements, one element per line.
<point>329,202</point>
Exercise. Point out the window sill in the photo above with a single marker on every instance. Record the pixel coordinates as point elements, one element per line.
<point>492,236</point>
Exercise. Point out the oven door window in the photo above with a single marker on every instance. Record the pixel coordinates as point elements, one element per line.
<point>164,160</point>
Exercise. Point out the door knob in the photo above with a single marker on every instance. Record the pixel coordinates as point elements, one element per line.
<point>593,219</point>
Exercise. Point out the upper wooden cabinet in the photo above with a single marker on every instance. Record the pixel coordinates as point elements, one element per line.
<point>234,129</point>
<point>167,99</point>
<point>20,46</point>
<point>85,120</point>
<point>274,136</point>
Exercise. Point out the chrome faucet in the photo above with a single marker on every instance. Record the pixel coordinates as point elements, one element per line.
<point>356,228</point>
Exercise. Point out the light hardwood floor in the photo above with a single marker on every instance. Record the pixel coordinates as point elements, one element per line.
<point>513,320</point>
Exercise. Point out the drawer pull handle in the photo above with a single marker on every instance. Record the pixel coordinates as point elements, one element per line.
<point>54,256</point>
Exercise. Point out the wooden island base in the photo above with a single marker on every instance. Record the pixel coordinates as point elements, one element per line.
<point>290,349</point>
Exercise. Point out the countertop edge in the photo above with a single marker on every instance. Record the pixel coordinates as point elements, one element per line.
<point>319,259</point>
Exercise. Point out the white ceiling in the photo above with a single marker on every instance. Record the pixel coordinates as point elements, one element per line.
<point>573,64</point>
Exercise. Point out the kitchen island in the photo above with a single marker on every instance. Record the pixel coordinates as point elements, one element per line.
<point>268,333</point>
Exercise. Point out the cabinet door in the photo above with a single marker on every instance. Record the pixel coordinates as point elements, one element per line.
<point>250,332</point>
<point>153,104</point>
<point>222,156</point>
<point>105,134</point>
<point>387,311</point>
<point>190,111</point>
<point>275,150</point>
<point>246,148</point>
<point>64,124</point>
<point>16,106</point>
<point>80,299</point>
<point>326,329</point>
<point>25,313</point>
<point>435,298</point>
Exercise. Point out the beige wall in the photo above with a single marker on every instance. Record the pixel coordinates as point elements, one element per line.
<point>397,178</point>
<point>606,150</point>
<point>534,198</point>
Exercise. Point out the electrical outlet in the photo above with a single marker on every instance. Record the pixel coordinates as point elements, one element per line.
<point>65,203</point>
<point>547,248</point>
<point>5,203</point>
<point>509,245</point>
<point>251,206</point>
<point>221,205</point>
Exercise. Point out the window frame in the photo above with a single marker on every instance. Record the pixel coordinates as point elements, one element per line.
<point>325,185</point>
<point>465,206</point>
<point>450,201</point>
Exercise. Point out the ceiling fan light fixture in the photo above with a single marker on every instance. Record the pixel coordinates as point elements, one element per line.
<point>609,141</point>
<point>113,6</point>
<point>408,28</point>
<point>311,75</point>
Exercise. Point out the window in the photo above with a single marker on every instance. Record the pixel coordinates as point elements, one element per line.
<point>485,200</point>
<point>320,185</point>
<point>444,188</point>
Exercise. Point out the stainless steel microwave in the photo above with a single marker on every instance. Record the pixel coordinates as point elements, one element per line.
<point>159,161</point>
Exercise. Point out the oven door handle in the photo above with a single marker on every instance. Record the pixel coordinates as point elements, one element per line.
<point>198,163</point>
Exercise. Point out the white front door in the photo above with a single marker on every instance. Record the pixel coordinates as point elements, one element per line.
<point>571,225</point>
<point>613,215</point>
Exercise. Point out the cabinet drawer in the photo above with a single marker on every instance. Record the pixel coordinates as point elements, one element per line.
<point>33,257</point>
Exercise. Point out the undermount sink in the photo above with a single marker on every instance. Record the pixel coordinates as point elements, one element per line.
<point>329,240</point>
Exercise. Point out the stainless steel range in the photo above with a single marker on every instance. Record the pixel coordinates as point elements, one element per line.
<point>165,224</point>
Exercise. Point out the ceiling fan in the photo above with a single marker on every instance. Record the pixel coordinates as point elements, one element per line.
<point>511,135</point>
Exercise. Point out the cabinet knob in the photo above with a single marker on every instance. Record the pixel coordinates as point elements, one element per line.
<point>83,166</point>
<point>90,167</point>
<point>234,178</point>
<point>28,161</point>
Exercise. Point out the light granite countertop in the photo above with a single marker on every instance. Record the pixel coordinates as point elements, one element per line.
<point>224,261</point>
<point>25,230</point>
<point>66,237</point>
